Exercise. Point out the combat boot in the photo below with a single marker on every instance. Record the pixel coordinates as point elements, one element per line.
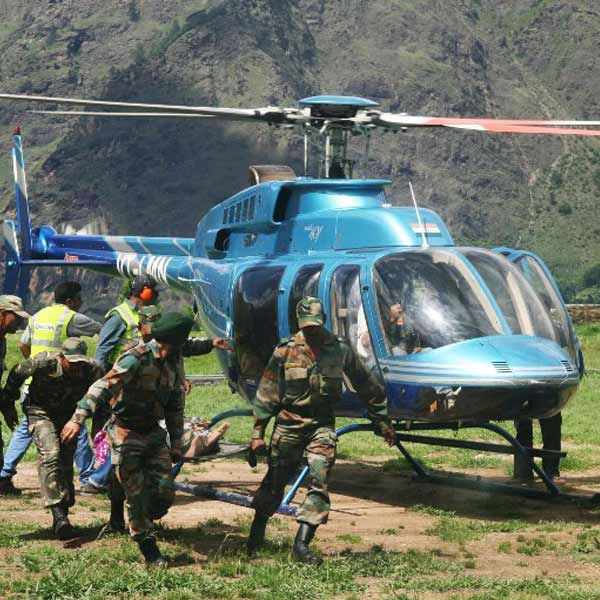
<point>301,551</point>
<point>7,487</point>
<point>117,507</point>
<point>257,534</point>
<point>151,553</point>
<point>61,525</point>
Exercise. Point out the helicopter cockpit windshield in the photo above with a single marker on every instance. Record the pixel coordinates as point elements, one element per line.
<point>430,298</point>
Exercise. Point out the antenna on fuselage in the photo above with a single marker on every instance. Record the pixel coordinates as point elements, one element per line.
<point>306,130</point>
<point>421,224</point>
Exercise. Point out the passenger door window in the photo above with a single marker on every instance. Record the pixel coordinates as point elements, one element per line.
<point>306,283</point>
<point>348,318</point>
<point>256,320</point>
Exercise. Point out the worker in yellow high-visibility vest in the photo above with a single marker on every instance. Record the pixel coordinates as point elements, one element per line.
<point>119,331</point>
<point>46,332</point>
<point>121,323</point>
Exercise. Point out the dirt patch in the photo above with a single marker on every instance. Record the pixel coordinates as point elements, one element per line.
<point>371,506</point>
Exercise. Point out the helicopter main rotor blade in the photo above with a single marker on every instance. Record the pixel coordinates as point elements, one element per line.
<point>89,113</point>
<point>396,121</point>
<point>267,114</point>
<point>527,129</point>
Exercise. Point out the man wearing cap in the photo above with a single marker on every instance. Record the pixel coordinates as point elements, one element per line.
<point>46,331</point>
<point>12,315</point>
<point>58,380</point>
<point>141,390</point>
<point>300,387</point>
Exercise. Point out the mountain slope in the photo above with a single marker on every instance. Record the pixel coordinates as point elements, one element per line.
<point>533,59</point>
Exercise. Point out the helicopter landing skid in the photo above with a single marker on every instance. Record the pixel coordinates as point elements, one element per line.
<point>551,490</point>
<point>424,474</point>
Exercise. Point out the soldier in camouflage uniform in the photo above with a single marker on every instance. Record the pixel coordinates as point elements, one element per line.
<point>148,315</point>
<point>300,387</point>
<point>12,315</point>
<point>141,390</point>
<point>59,379</point>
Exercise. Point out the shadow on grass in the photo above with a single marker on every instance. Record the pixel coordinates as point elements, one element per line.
<point>216,539</point>
<point>397,487</point>
<point>85,535</point>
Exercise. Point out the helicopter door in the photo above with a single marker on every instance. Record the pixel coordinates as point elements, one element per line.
<point>540,279</point>
<point>306,283</point>
<point>348,315</point>
<point>256,323</point>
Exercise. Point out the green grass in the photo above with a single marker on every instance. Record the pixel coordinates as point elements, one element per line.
<point>208,559</point>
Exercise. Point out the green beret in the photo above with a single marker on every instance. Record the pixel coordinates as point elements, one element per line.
<point>172,328</point>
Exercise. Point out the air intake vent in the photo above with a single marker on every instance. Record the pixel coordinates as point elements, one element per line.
<point>502,367</point>
<point>567,365</point>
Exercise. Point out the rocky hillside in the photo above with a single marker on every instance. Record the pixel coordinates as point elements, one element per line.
<point>509,58</point>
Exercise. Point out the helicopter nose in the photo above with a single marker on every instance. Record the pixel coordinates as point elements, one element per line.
<point>493,378</point>
<point>490,360</point>
<point>527,356</point>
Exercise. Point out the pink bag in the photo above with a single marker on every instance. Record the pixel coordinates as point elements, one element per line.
<point>101,447</point>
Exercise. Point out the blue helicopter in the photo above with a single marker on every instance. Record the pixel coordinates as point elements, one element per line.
<point>460,336</point>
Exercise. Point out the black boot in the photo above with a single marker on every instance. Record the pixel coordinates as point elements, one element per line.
<point>151,553</point>
<point>257,534</point>
<point>117,507</point>
<point>301,551</point>
<point>61,525</point>
<point>7,487</point>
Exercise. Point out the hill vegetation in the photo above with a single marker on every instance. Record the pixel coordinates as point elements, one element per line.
<point>513,59</point>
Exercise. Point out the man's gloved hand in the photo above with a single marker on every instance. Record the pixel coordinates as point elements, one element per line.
<point>257,447</point>
<point>176,455</point>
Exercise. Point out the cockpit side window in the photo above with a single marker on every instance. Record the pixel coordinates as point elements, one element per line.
<point>533,272</point>
<point>347,313</point>
<point>306,283</point>
<point>429,299</point>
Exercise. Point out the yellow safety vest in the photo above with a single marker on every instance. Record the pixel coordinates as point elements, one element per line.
<point>130,318</point>
<point>49,328</point>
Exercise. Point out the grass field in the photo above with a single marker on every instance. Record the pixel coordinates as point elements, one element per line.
<point>437,544</point>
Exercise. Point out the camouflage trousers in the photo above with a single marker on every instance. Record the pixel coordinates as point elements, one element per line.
<point>143,467</point>
<point>288,446</point>
<point>55,459</point>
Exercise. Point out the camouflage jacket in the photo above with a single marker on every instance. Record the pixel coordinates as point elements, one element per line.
<point>141,389</point>
<point>51,391</point>
<point>301,390</point>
